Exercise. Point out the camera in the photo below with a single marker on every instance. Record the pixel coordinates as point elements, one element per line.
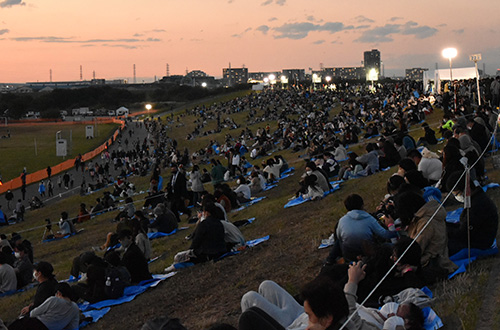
<point>49,224</point>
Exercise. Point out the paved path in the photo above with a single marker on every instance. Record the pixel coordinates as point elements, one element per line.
<point>60,193</point>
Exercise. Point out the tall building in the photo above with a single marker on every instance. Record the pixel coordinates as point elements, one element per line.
<point>347,73</point>
<point>234,76</point>
<point>415,74</point>
<point>372,61</point>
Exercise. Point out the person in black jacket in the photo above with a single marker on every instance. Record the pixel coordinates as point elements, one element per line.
<point>177,192</point>
<point>43,273</point>
<point>93,290</point>
<point>208,239</point>
<point>133,258</point>
<point>483,218</point>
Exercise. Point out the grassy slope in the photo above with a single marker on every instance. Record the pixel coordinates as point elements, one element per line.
<point>19,150</point>
<point>201,295</point>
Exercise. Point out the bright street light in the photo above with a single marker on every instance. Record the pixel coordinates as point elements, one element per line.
<point>149,106</point>
<point>203,84</point>
<point>328,78</point>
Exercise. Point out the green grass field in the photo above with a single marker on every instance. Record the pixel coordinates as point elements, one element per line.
<point>19,151</point>
<point>211,292</point>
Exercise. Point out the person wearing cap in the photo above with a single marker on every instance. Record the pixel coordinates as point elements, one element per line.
<point>43,274</point>
<point>56,313</point>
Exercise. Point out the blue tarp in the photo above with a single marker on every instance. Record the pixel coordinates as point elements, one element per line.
<point>128,295</point>
<point>245,205</point>
<point>152,236</point>
<point>299,200</point>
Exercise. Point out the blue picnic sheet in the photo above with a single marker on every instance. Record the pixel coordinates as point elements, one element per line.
<point>300,200</point>
<point>249,244</point>
<point>461,258</point>
<point>252,202</point>
<point>128,295</point>
<point>152,236</point>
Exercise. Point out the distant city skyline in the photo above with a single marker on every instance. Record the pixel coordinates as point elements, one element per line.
<point>110,36</point>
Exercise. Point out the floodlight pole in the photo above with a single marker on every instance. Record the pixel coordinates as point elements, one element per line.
<point>474,58</point>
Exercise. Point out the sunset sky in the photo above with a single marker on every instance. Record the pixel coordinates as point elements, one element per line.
<point>109,36</point>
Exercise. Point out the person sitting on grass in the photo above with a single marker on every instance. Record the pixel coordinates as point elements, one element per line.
<point>83,214</point>
<point>165,220</point>
<point>56,313</point>
<point>356,232</point>
<point>483,218</point>
<point>414,213</point>
<point>133,258</point>
<point>208,239</point>
<point>8,279</point>
<point>91,286</point>
<point>22,265</point>
<point>314,191</point>
<point>65,225</point>
<point>243,191</point>
<point>325,307</point>
<point>43,274</point>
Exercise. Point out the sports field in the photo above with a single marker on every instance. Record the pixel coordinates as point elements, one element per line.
<point>34,146</point>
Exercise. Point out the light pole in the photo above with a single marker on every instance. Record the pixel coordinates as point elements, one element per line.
<point>451,53</point>
<point>474,58</point>
<point>148,107</point>
<point>328,79</point>
<point>284,81</point>
<point>272,80</point>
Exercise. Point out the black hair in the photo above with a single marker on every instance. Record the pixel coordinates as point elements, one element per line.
<point>412,256</point>
<point>407,204</point>
<point>414,153</point>
<point>353,202</point>
<point>45,268</point>
<point>407,164</point>
<point>64,289</point>
<point>311,165</point>
<point>326,299</point>
<point>414,320</point>
<point>210,208</point>
<point>394,183</point>
<point>124,233</point>
<point>416,178</point>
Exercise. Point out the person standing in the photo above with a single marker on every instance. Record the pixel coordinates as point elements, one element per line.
<point>49,172</point>
<point>50,187</point>
<point>41,189</point>
<point>9,196</point>
<point>177,192</point>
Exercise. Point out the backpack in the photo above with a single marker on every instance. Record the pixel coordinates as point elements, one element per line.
<point>115,283</point>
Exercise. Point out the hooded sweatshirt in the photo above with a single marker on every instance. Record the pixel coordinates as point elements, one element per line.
<point>356,229</point>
